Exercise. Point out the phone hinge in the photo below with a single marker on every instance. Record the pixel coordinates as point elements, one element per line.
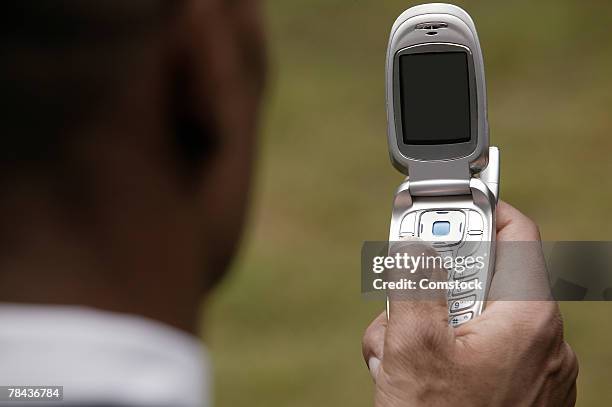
<point>440,187</point>
<point>439,178</point>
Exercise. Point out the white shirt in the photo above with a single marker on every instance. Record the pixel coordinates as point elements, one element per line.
<point>102,356</point>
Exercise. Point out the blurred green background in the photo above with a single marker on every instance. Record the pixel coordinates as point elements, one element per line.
<point>285,327</point>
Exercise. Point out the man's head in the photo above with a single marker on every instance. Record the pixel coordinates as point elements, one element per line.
<point>126,149</point>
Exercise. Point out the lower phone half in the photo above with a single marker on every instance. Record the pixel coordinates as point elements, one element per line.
<point>461,231</point>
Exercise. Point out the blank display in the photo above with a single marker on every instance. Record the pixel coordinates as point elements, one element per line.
<point>435,98</point>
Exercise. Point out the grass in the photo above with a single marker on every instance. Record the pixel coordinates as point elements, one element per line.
<point>285,327</point>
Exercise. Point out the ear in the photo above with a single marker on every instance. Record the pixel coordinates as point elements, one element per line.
<point>219,83</point>
<point>218,78</point>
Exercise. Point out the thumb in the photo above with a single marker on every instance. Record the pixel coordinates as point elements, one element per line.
<point>418,318</point>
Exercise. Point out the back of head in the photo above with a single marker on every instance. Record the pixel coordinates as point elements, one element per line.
<point>62,62</point>
<point>124,124</point>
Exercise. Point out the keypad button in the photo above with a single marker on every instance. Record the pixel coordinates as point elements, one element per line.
<point>469,288</point>
<point>470,246</point>
<point>442,227</point>
<point>407,228</point>
<point>462,303</point>
<point>457,320</point>
<point>465,273</point>
<point>469,268</point>
<point>475,223</point>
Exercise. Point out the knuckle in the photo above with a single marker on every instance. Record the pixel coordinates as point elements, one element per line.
<point>367,334</point>
<point>372,336</point>
<point>572,363</point>
<point>367,344</point>
<point>562,367</point>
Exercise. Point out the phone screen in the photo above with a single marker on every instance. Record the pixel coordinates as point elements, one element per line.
<point>435,98</point>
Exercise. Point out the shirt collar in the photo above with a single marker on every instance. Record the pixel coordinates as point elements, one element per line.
<point>101,356</point>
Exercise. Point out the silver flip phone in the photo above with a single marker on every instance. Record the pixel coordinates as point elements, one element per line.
<point>438,135</point>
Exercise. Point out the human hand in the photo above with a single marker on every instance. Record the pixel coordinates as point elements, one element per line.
<point>511,355</point>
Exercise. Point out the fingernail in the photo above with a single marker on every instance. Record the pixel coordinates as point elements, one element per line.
<point>374,365</point>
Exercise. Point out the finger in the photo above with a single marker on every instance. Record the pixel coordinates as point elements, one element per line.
<point>372,344</point>
<point>520,269</point>
<point>567,377</point>
<point>572,369</point>
<point>418,319</point>
<point>419,265</point>
<point>512,225</point>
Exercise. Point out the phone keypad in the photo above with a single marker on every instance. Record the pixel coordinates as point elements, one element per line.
<point>455,233</point>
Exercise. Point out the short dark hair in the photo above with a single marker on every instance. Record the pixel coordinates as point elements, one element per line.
<point>61,60</point>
